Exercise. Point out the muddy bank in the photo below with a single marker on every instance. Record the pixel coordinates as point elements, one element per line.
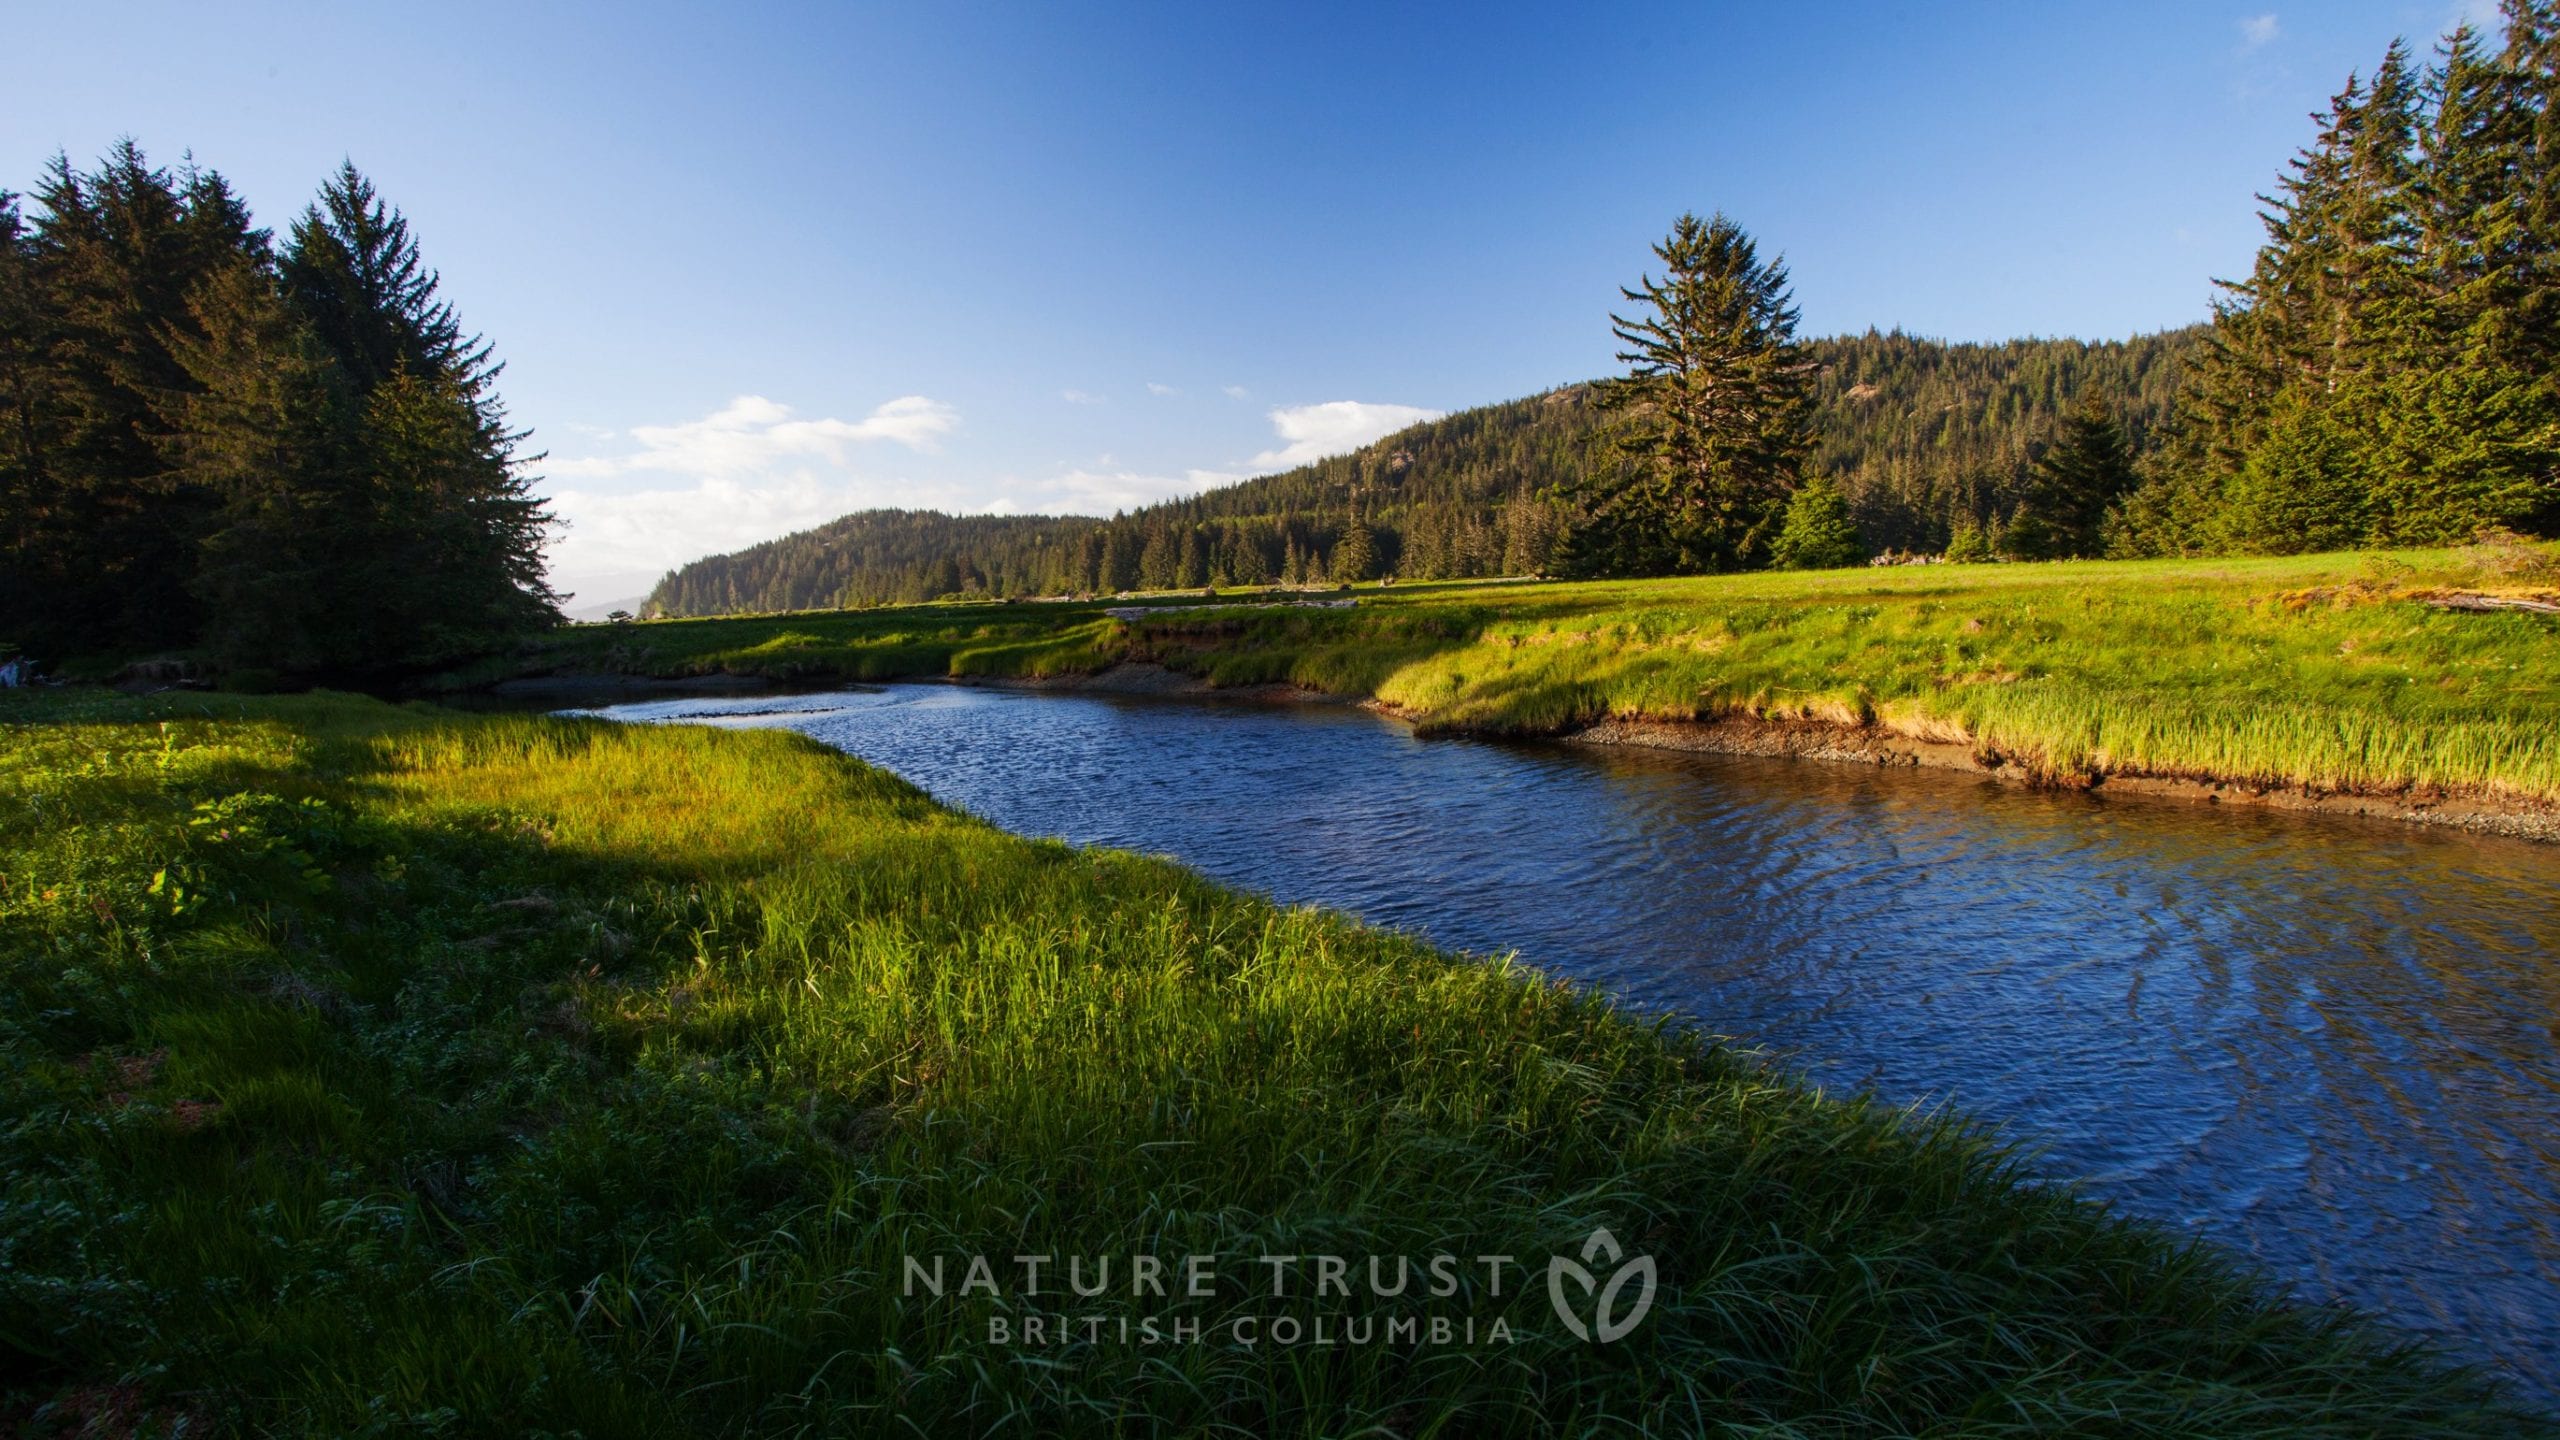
<point>1875,745</point>
<point>1148,678</point>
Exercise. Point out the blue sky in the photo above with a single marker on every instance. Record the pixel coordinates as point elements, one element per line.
<point>753,266</point>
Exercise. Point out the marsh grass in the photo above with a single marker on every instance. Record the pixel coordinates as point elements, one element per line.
<point>2325,671</point>
<point>380,1070</point>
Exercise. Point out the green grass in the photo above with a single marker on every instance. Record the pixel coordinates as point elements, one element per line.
<point>373,1070</point>
<point>2322,671</point>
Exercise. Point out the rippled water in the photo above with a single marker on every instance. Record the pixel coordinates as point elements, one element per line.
<point>2328,1043</point>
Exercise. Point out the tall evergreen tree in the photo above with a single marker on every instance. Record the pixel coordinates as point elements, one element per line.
<point>26,489</point>
<point>444,487</point>
<point>192,458</point>
<point>104,549</point>
<point>1818,533</point>
<point>1355,553</point>
<point>458,532</point>
<point>2075,479</point>
<point>1711,415</point>
<point>286,563</point>
<point>356,272</point>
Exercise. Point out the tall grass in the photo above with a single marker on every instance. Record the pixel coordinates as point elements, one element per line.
<point>2327,672</point>
<point>374,1070</point>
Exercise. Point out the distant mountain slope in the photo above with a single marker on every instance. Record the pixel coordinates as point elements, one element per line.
<point>1920,433</point>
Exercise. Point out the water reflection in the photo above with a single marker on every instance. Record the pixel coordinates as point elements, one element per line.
<point>2328,1043</point>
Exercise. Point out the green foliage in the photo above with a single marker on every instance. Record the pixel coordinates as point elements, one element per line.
<point>97,551</point>
<point>1970,544</point>
<point>369,1070</point>
<point>1819,532</point>
<point>294,464</point>
<point>2301,489</point>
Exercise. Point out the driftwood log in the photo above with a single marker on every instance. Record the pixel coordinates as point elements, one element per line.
<point>2468,600</point>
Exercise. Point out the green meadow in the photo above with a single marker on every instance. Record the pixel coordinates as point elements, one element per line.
<point>2326,671</point>
<point>382,1070</point>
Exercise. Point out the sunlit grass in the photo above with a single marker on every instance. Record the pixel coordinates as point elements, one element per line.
<point>370,1069</point>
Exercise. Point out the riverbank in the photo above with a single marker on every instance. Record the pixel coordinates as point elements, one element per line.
<point>375,1067</point>
<point>2371,683</point>
<point>2478,810</point>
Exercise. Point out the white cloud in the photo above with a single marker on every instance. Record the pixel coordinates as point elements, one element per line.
<point>747,472</point>
<point>752,434</point>
<point>2257,30</point>
<point>1337,426</point>
<point>1235,392</point>
<point>1155,389</point>
<point>752,472</point>
<point>612,534</point>
<point>1079,397</point>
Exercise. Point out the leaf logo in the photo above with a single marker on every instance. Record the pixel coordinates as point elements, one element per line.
<point>1607,1323</point>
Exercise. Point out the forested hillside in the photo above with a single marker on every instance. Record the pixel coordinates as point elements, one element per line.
<point>1922,435</point>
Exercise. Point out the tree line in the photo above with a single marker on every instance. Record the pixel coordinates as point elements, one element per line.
<point>288,456</point>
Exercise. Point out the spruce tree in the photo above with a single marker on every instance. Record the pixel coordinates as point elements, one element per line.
<point>1819,533</point>
<point>2074,480</point>
<point>27,490</point>
<point>289,560</point>
<point>106,550</point>
<point>1969,544</point>
<point>1710,416</point>
<point>1528,534</point>
<point>1355,553</point>
<point>353,268</point>
<point>457,538</point>
<point>1159,557</point>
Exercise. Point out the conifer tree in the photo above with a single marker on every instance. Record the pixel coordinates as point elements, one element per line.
<point>1119,567</point>
<point>27,493</point>
<point>356,272</point>
<point>1246,563</point>
<point>2073,482</point>
<point>1355,553</point>
<point>1159,558</point>
<point>1528,534</point>
<point>1711,414</point>
<point>286,561</point>
<point>457,536</point>
<point>1819,533</point>
<point>105,552</point>
<point>1969,544</point>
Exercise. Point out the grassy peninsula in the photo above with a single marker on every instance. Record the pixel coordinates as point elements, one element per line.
<point>2324,672</point>
<point>375,1069</point>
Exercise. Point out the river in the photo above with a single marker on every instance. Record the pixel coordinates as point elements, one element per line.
<point>2330,1044</point>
